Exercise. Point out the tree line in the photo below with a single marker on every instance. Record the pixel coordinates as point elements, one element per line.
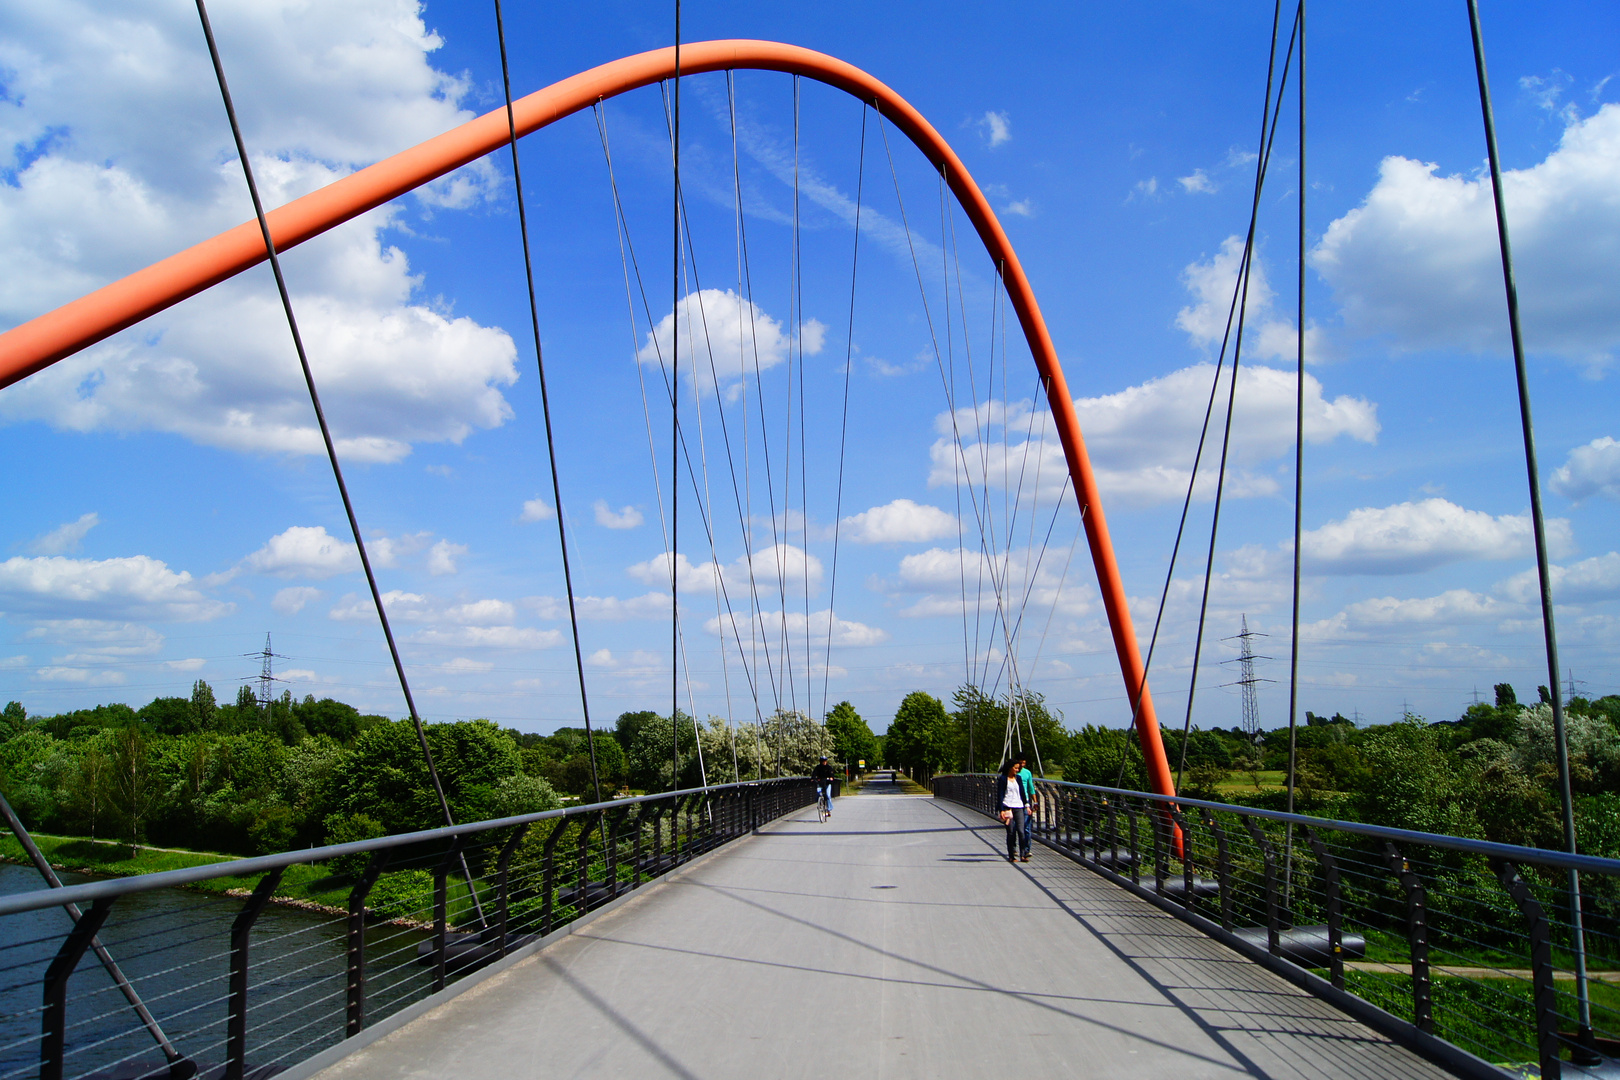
<point>253,778</point>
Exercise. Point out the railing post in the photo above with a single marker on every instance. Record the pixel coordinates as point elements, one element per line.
<point>237,1006</point>
<point>1417,929</point>
<point>753,812</point>
<point>1223,866</point>
<point>548,875</point>
<point>1268,856</point>
<point>441,905</point>
<point>1335,919</point>
<point>356,1006</point>
<point>53,1034</point>
<point>582,864</point>
<point>1113,837</point>
<point>1541,969</point>
<point>503,868</point>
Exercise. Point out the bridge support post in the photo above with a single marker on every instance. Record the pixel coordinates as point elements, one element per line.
<point>503,867</point>
<point>53,1034</point>
<point>548,875</point>
<point>237,1006</point>
<point>1223,867</point>
<point>1335,918</point>
<point>356,975</point>
<point>1417,932</point>
<point>441,904</point>
<point>1136,849</point>
<point>1268,856</point>
<point>1541,969</point>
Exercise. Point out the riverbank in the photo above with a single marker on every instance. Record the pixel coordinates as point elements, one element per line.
<point>80,854</point>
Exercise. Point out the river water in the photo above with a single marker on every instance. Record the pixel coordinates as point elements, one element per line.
<point>174,945</point>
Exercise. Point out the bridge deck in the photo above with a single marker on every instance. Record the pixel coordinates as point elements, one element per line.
<point>894,941</point>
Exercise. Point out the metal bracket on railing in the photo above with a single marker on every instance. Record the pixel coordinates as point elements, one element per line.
<point>1189,899</point>
<point>53,1034</point>
<point>356,1004</point>
<point>1223,867</point>
<point>1268,856</point>
<point>548,874</point>
<point>503,866</point>
<point>237,1006</point>
<point>582,864</point>
<point>1136,849</point>
<point>1335,919</point>
<point>1541,968</point>
<point>1161,866</point>
<point>1417,929</point>
<point>441,913</point>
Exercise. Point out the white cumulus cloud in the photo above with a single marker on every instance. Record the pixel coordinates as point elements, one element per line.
<point>997,128</point>
<point>293,599</point>
<point>769,627</point>
<point>1143,438</point>
<point>536,509</point>
<point>128,162</point>
<point>624,518</point>
<point>729,332</point>
<point>1414,536</point>
<point>1593,469</point>
<point>442,558</point>
<point>1418,261</point>
<point>306,551</point>
<point>1198,182</point>
<point>792,563</point>
<point>1587,581</point>
<point>136,586</point>
<point>901,521</point>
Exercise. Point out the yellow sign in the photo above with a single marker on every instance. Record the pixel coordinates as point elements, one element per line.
<point>861,763</point>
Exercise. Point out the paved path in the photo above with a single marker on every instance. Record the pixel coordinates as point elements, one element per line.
<point>895,941</point>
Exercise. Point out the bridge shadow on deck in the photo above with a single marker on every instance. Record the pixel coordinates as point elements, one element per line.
<point>903,947</point>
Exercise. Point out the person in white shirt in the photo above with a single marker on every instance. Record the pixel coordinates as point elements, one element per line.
<point>1013,810</point>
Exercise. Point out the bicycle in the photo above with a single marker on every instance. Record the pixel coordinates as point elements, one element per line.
<point>822,807</point>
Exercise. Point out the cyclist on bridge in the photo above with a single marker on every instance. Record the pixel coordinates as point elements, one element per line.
<point>823,776</point>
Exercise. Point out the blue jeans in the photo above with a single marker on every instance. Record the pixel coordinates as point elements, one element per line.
<point>826,789</point>
<point>1029,830</point>
<point>1017,831</point>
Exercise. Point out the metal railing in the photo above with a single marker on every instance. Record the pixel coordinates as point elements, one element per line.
<point>243,989</point>
<point>1465,940</point>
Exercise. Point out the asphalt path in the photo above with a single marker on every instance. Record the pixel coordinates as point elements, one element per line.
<point>894,941</point>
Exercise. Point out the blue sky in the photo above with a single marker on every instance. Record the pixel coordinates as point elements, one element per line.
<point>169,504</point>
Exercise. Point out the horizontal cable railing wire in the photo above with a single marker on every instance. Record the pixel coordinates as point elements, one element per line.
<point>246,985</point>
<point>1467,940</point>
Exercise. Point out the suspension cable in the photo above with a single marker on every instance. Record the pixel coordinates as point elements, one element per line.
<point>843,428</point>
<point>320,417</point>
<point>545,398</point>
<point>675,423</point>
<point>1268,141</point>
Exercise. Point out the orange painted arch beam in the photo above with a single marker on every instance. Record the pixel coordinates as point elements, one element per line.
<point>43,341</point>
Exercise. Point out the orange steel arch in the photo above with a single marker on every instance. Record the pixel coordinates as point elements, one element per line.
<point>60,333</point>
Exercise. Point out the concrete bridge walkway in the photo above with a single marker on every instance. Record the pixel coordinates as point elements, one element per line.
<point>893,941</point>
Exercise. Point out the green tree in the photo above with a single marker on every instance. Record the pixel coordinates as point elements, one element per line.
<point>132,789</point>
<point>13,721</point>
<point>853,740</point>
<point>919,735</point>
<point>204,709</point>
<point>388,779</point>
<point>327,717</point>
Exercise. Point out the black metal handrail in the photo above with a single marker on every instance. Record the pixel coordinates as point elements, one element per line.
<point>411,927</point>
<point>1468,941</point>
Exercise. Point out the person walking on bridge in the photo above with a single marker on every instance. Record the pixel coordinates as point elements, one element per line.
<point>1026,780</point>
<point>1014,810</point>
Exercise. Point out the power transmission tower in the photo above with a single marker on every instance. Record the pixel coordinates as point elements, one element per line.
<point>1246,678</point>
<point>267,676</point>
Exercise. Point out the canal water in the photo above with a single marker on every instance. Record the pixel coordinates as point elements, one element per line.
<point>174,946</point>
